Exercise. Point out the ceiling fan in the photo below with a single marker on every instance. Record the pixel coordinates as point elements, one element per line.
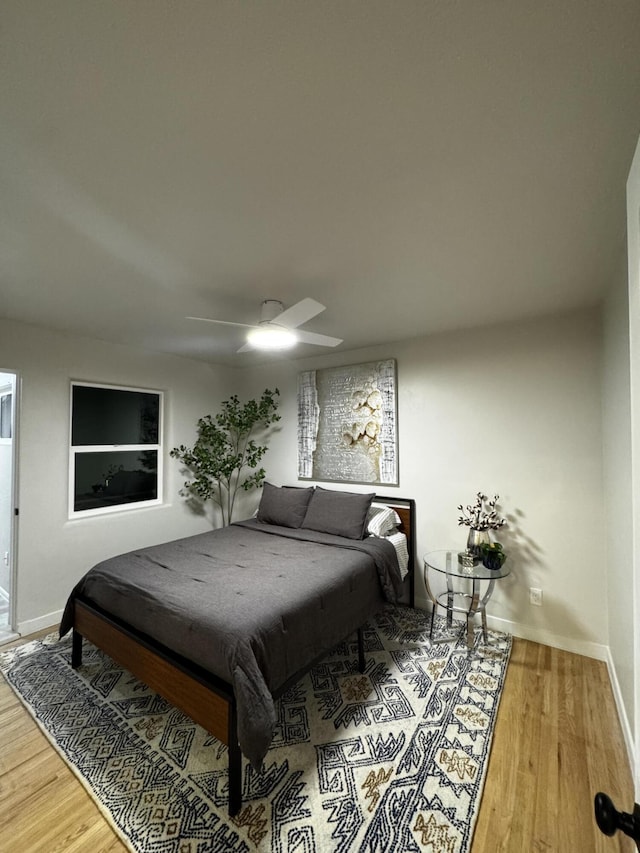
<point>275,329</point>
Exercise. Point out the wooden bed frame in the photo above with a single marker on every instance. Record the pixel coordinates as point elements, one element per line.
<point>204,697</point>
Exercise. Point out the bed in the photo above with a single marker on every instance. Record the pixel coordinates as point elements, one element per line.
<point>222,623</point>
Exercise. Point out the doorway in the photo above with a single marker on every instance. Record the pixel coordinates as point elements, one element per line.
<point>8,407</point>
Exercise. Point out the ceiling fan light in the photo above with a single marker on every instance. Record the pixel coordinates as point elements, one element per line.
<point>271,338</point>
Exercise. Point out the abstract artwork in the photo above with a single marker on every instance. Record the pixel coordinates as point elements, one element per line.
<point>347,424</point>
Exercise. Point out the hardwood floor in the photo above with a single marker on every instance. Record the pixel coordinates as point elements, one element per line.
<point>557,742</point>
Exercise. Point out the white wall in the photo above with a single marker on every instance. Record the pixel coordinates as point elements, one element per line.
<point>512,409</point>
<point>633,240</point>
<point>616,419</point>
<point>54,552</point>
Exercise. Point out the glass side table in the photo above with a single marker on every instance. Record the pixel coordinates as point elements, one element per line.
<point>457,600</point>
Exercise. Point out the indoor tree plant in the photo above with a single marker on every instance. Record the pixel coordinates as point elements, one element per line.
<point>225,456</point>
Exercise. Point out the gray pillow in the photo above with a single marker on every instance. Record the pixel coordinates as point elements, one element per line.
<point>283,505</point>
<point>340,513</point>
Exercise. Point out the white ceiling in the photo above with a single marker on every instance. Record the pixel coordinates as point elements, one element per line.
<point>414,166</point>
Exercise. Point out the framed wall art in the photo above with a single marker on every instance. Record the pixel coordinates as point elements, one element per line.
<point>347,424</point>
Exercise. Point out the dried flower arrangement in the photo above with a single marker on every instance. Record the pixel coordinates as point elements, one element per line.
<point>481,517</point>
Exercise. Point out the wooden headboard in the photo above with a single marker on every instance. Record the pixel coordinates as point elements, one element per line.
<point>406,509</point>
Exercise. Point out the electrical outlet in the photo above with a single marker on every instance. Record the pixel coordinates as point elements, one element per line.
<point>535,596</point>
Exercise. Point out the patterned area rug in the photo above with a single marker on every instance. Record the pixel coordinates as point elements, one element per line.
<point>392,760</point>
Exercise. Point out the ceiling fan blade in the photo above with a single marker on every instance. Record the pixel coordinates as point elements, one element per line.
<point>291,318</point>
<point>299,313</point>
<point>222,322</point>
<point>319,340</point>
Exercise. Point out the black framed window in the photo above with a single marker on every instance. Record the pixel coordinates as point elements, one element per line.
<point>115,448</point>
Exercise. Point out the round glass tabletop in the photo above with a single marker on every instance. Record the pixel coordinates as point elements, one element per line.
<point>447,562</point>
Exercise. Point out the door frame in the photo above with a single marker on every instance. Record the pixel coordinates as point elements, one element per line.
<point>13,504</point>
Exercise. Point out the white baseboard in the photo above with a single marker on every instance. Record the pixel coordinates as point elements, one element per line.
<point>598,651</point>
<point>536,635</point>
<point>31,626</point>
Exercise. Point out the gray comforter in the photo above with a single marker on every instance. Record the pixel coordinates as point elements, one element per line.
<point>252,603</point>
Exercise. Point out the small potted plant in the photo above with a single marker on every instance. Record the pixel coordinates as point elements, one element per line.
<point>493,555</point>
